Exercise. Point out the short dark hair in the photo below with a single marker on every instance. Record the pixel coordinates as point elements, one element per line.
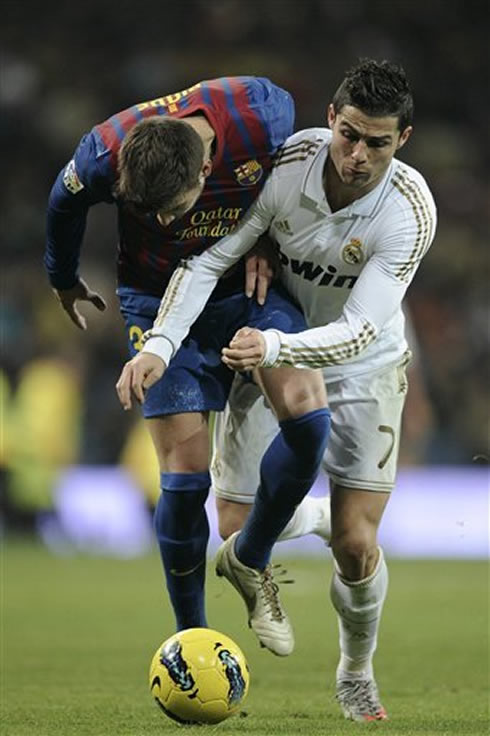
<point>159,159</point>
<point>377,89</point>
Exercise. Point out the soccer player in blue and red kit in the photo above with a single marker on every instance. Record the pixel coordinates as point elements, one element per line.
<point>183,170</point>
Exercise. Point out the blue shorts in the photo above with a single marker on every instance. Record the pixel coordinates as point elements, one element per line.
<point>196,379</point>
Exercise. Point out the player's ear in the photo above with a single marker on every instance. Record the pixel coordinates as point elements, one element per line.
<point>331,115</point>
<point>404,136</point>
<point>207,168</point>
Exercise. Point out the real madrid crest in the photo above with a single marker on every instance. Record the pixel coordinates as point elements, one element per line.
<point>249,173</point>
<point>352,252</point>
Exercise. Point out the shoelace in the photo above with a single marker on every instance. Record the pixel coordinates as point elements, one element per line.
<point>270,590</point>
<point>363,694</point>
<point>279,571</point>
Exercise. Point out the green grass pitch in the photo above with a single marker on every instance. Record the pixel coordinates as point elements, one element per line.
<point>78,634</point>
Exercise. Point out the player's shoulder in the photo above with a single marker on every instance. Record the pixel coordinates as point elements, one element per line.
<point>256,87</point>
<point>240,92</point>
<point>308,138</point>
<point>299,150</point>
<point>409,190</point>
<point>90,167</point>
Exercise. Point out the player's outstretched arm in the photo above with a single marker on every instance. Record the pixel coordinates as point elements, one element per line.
<point>79,185</point>
<point>193,282</point>
<point>138,375</point>
<point>81,292</point>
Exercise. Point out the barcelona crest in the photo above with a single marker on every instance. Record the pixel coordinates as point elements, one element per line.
<point>249,173</point>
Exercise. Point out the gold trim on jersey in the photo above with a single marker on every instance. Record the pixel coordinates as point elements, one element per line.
<point>318,357</point>
<point>423,217</point>
<point>168,298</point>
<point>298,151</point>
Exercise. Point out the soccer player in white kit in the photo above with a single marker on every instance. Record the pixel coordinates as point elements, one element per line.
<point>352,224</point>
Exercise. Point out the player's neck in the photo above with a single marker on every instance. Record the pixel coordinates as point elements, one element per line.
<point>204,130</point>
<point>338,194</point>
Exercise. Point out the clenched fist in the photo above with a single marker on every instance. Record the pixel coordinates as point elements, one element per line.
<point>246,350</point>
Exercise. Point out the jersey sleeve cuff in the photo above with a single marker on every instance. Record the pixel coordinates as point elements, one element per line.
<point>272,347</point>
<point>158,345</point>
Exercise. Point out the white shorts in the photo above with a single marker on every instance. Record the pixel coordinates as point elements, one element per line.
<point>362,449</point>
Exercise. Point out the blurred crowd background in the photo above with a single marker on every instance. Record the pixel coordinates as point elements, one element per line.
<point>67,66</point>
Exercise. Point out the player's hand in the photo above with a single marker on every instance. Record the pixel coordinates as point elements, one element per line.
<point>139,374</point>
<point>245,351</point>
<point>261,266</point>
<point>258,276</point>
<point>68,299</point>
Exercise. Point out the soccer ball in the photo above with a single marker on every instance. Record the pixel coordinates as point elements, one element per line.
<point>199,676</point>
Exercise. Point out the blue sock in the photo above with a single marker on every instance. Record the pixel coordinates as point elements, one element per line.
<point>182,531</point>
<point>288,470</point>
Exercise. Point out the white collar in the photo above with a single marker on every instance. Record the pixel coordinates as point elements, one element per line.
<point>313,194</point>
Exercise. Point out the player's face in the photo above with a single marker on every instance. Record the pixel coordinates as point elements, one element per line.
<point>186,201</point>
<point>182,204</point>
<point>362,146</point>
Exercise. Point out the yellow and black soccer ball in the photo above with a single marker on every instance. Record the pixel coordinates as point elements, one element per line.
<point>199,676</point>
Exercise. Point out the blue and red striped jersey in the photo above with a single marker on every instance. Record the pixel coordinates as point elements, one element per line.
<point>251,118</point>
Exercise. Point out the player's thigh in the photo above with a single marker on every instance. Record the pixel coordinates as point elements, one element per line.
<point>292,392</point>
<point>196,379</point>
<point>362,451</point>
<point>181,442</point>
<point>242,433</point>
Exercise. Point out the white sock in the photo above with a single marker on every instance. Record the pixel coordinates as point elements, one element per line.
<point>359,605</point>
<point>312,516</point>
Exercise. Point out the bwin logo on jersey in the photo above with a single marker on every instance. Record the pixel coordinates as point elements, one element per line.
<point>313,272</point>
<point>171,658</point>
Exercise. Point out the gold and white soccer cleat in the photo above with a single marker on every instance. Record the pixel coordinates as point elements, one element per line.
<point>359,700</point>
<point>266,616</point>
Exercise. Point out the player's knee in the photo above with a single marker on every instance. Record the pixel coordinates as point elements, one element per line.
<point>294,392</point>
<point>309,395</point>
<point>355,551</point>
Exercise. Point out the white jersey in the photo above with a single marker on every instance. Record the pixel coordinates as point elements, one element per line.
<point>348,269</point>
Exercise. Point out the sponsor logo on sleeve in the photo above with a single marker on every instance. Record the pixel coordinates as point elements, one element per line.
<point>70,178</point>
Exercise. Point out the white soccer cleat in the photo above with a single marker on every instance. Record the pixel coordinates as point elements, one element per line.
<point>260,593</point>
<point>359,700</point>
